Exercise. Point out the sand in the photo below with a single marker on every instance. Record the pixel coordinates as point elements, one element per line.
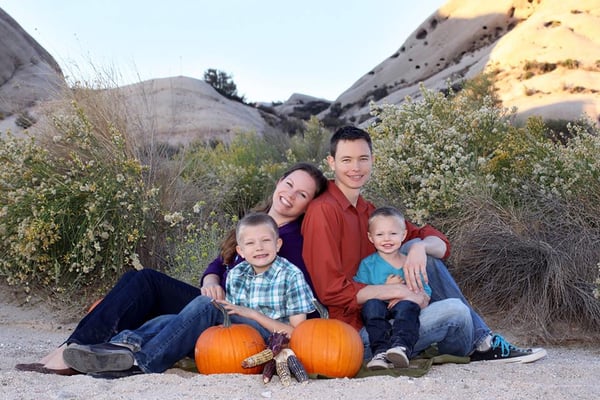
<point>28,332</point>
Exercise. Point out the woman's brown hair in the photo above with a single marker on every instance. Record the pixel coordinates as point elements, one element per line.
<point>229,243</point>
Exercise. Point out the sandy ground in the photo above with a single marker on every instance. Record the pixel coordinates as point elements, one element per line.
<point>28,332</point>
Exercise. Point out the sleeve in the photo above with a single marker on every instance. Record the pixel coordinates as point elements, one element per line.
<point>299,296</point>
<point>321,230</point>
<point>362,275</point>
<point>414,232</point>
<point>217,267</point>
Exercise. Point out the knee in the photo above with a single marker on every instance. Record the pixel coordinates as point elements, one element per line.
<point>148,276</point>
<point>201,304</point>
<point>458,311</point>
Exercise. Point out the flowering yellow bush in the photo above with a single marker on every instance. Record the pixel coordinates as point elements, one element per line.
<point>430,152</point>
<point>73,210</point>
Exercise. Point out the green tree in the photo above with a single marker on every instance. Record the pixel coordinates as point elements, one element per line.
<point>223,83</point>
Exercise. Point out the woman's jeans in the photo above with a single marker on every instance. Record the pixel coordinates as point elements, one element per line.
<point>137,297</point>
<point>447,323</point>
<point>162,341</point>
<point>443,286</point>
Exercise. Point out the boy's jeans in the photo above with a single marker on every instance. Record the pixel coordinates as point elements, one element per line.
<point>402,330</point>
<point>446,322</point>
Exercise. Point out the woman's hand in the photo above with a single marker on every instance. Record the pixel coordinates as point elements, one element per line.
<point>211,287</point>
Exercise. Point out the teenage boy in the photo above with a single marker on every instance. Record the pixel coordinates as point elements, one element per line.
<point>265,291</point>
<point>335,241</point>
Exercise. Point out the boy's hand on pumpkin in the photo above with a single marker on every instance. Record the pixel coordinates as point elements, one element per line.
<point>234,309</point>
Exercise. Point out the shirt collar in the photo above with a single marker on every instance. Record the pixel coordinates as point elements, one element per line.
<point>342,200</point>
<point>267,275</point>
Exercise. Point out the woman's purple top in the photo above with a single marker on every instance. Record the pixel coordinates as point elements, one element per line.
<point>291,249</point>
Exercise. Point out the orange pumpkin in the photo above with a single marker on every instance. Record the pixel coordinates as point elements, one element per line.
<point>221,349</point>
<point>328,347</point>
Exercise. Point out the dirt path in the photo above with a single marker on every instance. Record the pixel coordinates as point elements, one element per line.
<point>29,332</point>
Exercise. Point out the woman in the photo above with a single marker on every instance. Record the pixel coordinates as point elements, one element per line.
<point>143,295</point>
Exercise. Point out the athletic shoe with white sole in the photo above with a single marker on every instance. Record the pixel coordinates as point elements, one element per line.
<point>502,351</point>
<point>397,356</point>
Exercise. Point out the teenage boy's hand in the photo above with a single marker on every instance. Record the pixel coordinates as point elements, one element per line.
<point>420,298</point>
<point>415,267</point>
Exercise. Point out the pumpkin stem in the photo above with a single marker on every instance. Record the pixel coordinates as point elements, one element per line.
<point>321,309</point>
<point>226,318</point>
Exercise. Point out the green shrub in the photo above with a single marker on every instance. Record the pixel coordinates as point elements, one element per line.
<point>73,214</point>
<point>25,120</point>
<point>195,240</point>
<point>428,153</point>
<point>312,146</point>
<point>235,176</point>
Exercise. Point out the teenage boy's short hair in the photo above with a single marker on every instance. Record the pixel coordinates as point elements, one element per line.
<point>256,219</point>
<point>350,133</point>
<point>387,211</point>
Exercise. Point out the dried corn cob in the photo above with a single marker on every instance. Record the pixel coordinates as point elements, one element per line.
<point>296,368</point>
<point>258,358</point>
<point>277,341</point>
<point>268,371</point>
<point>283,370</point>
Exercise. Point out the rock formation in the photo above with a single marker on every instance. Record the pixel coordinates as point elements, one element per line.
<point>544,54</point>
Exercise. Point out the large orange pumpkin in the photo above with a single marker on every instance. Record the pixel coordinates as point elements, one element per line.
<point>328,347</point>
<point>221,349</point>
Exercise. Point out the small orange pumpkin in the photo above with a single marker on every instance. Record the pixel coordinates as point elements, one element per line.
<point>328,347</point>
<point>221,349</point>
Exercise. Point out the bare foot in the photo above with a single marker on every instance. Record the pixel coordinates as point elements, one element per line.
<point>54,360</point>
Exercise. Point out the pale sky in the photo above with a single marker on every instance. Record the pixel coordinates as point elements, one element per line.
<point>272,48</point>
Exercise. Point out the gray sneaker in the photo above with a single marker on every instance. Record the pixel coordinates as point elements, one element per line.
<point>397,356</point>
<point>379,362</point>
<point>98,357</point>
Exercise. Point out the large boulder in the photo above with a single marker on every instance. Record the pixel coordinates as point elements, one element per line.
<point>544,55</point>
<point>182,110</point>
<point>28,73</point>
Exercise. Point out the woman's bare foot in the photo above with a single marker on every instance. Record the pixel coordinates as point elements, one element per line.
<point>54,360</point>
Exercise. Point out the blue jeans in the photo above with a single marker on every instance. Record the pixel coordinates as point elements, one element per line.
<point>137,297</point>
<point>447,323</point>
<point>162,341</point>
<point>402,331</point>
<point>443,286</point>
